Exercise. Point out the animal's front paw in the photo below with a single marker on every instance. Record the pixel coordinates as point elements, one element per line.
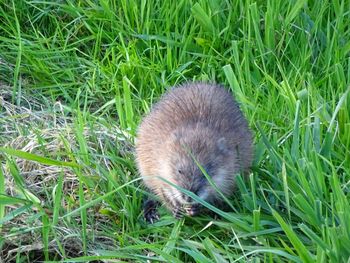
<point>151,216</point>
<point>192,210</point>
<point>177,212</point>
<point>150,211</point>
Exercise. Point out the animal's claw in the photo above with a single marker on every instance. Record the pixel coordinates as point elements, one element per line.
<point>177,213</point>
<point>150,211</point>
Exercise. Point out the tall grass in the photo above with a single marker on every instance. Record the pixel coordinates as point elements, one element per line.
<point>106,62</point>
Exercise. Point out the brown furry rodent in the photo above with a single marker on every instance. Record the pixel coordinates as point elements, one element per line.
<point>193,121</point>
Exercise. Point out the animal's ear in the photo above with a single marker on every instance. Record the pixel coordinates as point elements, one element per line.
<point>222,145</point>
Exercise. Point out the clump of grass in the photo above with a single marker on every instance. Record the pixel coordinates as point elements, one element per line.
<point>80,75</point>
<point>45,181</point>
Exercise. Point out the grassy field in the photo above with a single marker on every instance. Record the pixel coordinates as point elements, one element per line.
<point>77,76</point>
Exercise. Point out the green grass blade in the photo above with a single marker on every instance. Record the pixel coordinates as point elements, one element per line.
<point>285,188</point>
<point>36,158</point>
<point>99,199</point>
<point>293,238</point>
<point>45,233</point>
<point>170,246</point>
<point>11,215</point>
<point>295,143</point>
<point>341,101</point>
<point>2,195</point>
<point>203,19</point>
<point>57,194</point>
<point>296,7</point>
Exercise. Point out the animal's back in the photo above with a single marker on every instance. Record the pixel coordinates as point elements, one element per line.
<point>188,104</point>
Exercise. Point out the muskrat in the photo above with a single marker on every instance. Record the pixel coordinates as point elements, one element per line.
<point>194,122</point>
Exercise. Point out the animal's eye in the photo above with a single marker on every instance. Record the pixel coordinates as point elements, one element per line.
<point>179,171</point>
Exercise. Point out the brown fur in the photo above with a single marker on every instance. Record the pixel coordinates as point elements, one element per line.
<point>202,119</point>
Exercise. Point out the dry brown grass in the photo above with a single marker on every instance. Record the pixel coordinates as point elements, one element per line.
<point>30,127</point>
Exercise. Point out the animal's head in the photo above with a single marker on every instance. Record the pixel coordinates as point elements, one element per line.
<point>192,151</point>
